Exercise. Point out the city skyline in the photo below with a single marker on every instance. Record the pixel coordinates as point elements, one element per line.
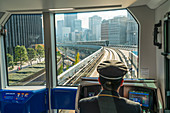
<point>85,19</point>
<point>122,29</point>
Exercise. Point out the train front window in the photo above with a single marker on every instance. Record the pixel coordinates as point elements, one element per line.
<point>25,50</point>
<point>85,39</point>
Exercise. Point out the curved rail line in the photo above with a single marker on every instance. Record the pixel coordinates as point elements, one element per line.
<point>87,70</point>
<point>84,72</point>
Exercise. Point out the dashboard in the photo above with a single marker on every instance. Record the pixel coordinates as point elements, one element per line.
<point>16,97</point>
<point>136,92</point>
<point>141,97</point>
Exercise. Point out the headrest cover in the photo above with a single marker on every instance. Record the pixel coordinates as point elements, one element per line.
<point>112,69</point>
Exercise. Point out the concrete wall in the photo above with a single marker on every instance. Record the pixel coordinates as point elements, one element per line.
<point>147,51</point>
<point>159,15</point>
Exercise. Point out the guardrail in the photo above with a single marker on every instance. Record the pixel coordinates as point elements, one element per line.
<point>86,71</point>
<point>71,71</point>
<point>134,59</point>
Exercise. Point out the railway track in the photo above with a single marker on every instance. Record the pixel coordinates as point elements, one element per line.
<point>108,55</point>
<point>89,68</point>
<point>113,56</point>
<point>84,72</point>
<point>126,62</point>
<point>118,53</point>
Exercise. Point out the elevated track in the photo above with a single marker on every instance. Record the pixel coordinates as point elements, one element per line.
<point>87,70</point>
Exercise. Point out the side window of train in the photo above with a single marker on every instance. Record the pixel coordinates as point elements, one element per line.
<point>24,44</point>
<point>85,39</point>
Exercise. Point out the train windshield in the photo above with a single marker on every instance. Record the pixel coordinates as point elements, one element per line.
<point>24,43</point>
<point>85,39</point>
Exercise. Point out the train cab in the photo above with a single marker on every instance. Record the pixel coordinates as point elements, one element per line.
<point>143,91</point>
<point>50,50</point>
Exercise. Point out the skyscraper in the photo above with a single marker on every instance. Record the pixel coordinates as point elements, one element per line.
<point>118,27</point>
<point>132,30</point>
<point>105,30</point>
<point>77,25</point>
<point>95,27</point>
<point>69,19</point>
<point>60,25</point>
<point>87,35</point>
<point>23,29</point>
<point>114,30</point>
<point>66,34</point>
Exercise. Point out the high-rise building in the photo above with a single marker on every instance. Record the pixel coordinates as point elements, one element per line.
<point>23,29</point>
<point>87,35</point>
<point>77,25</point>
<point>132,30</point>
<point>66,34</point>
<point>114,30</point>
<point>73,36</point>
<point>95,27</point>
<point>76,36</point>
<point>105,30</point>
<point>69,20</point>
<point>60,25</point>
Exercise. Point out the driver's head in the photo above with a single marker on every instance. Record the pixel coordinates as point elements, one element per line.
<point>111,73</point>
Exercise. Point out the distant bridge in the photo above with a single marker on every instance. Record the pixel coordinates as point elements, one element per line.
<point>95,44</point>
<point>98,42</point>
<point>75,45</point>
<point>104,43</point>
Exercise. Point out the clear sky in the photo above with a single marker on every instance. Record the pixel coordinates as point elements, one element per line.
<point>85,16</point>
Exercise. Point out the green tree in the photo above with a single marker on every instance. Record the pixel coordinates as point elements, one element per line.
<point>58,53</point>
<point>10,61</point>
<point>21,54</point>
<point>40,51</point>
<point>77,58</point>
<point>60,70</point>
<point>67,67</point>
<point>31,54</point>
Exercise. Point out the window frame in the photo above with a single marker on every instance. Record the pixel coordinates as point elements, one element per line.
<point>106,9</point>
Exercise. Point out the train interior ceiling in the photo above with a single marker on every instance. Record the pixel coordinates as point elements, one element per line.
<point>49,51</point>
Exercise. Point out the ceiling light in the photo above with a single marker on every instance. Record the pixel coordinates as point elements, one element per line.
<point>61,9</point>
